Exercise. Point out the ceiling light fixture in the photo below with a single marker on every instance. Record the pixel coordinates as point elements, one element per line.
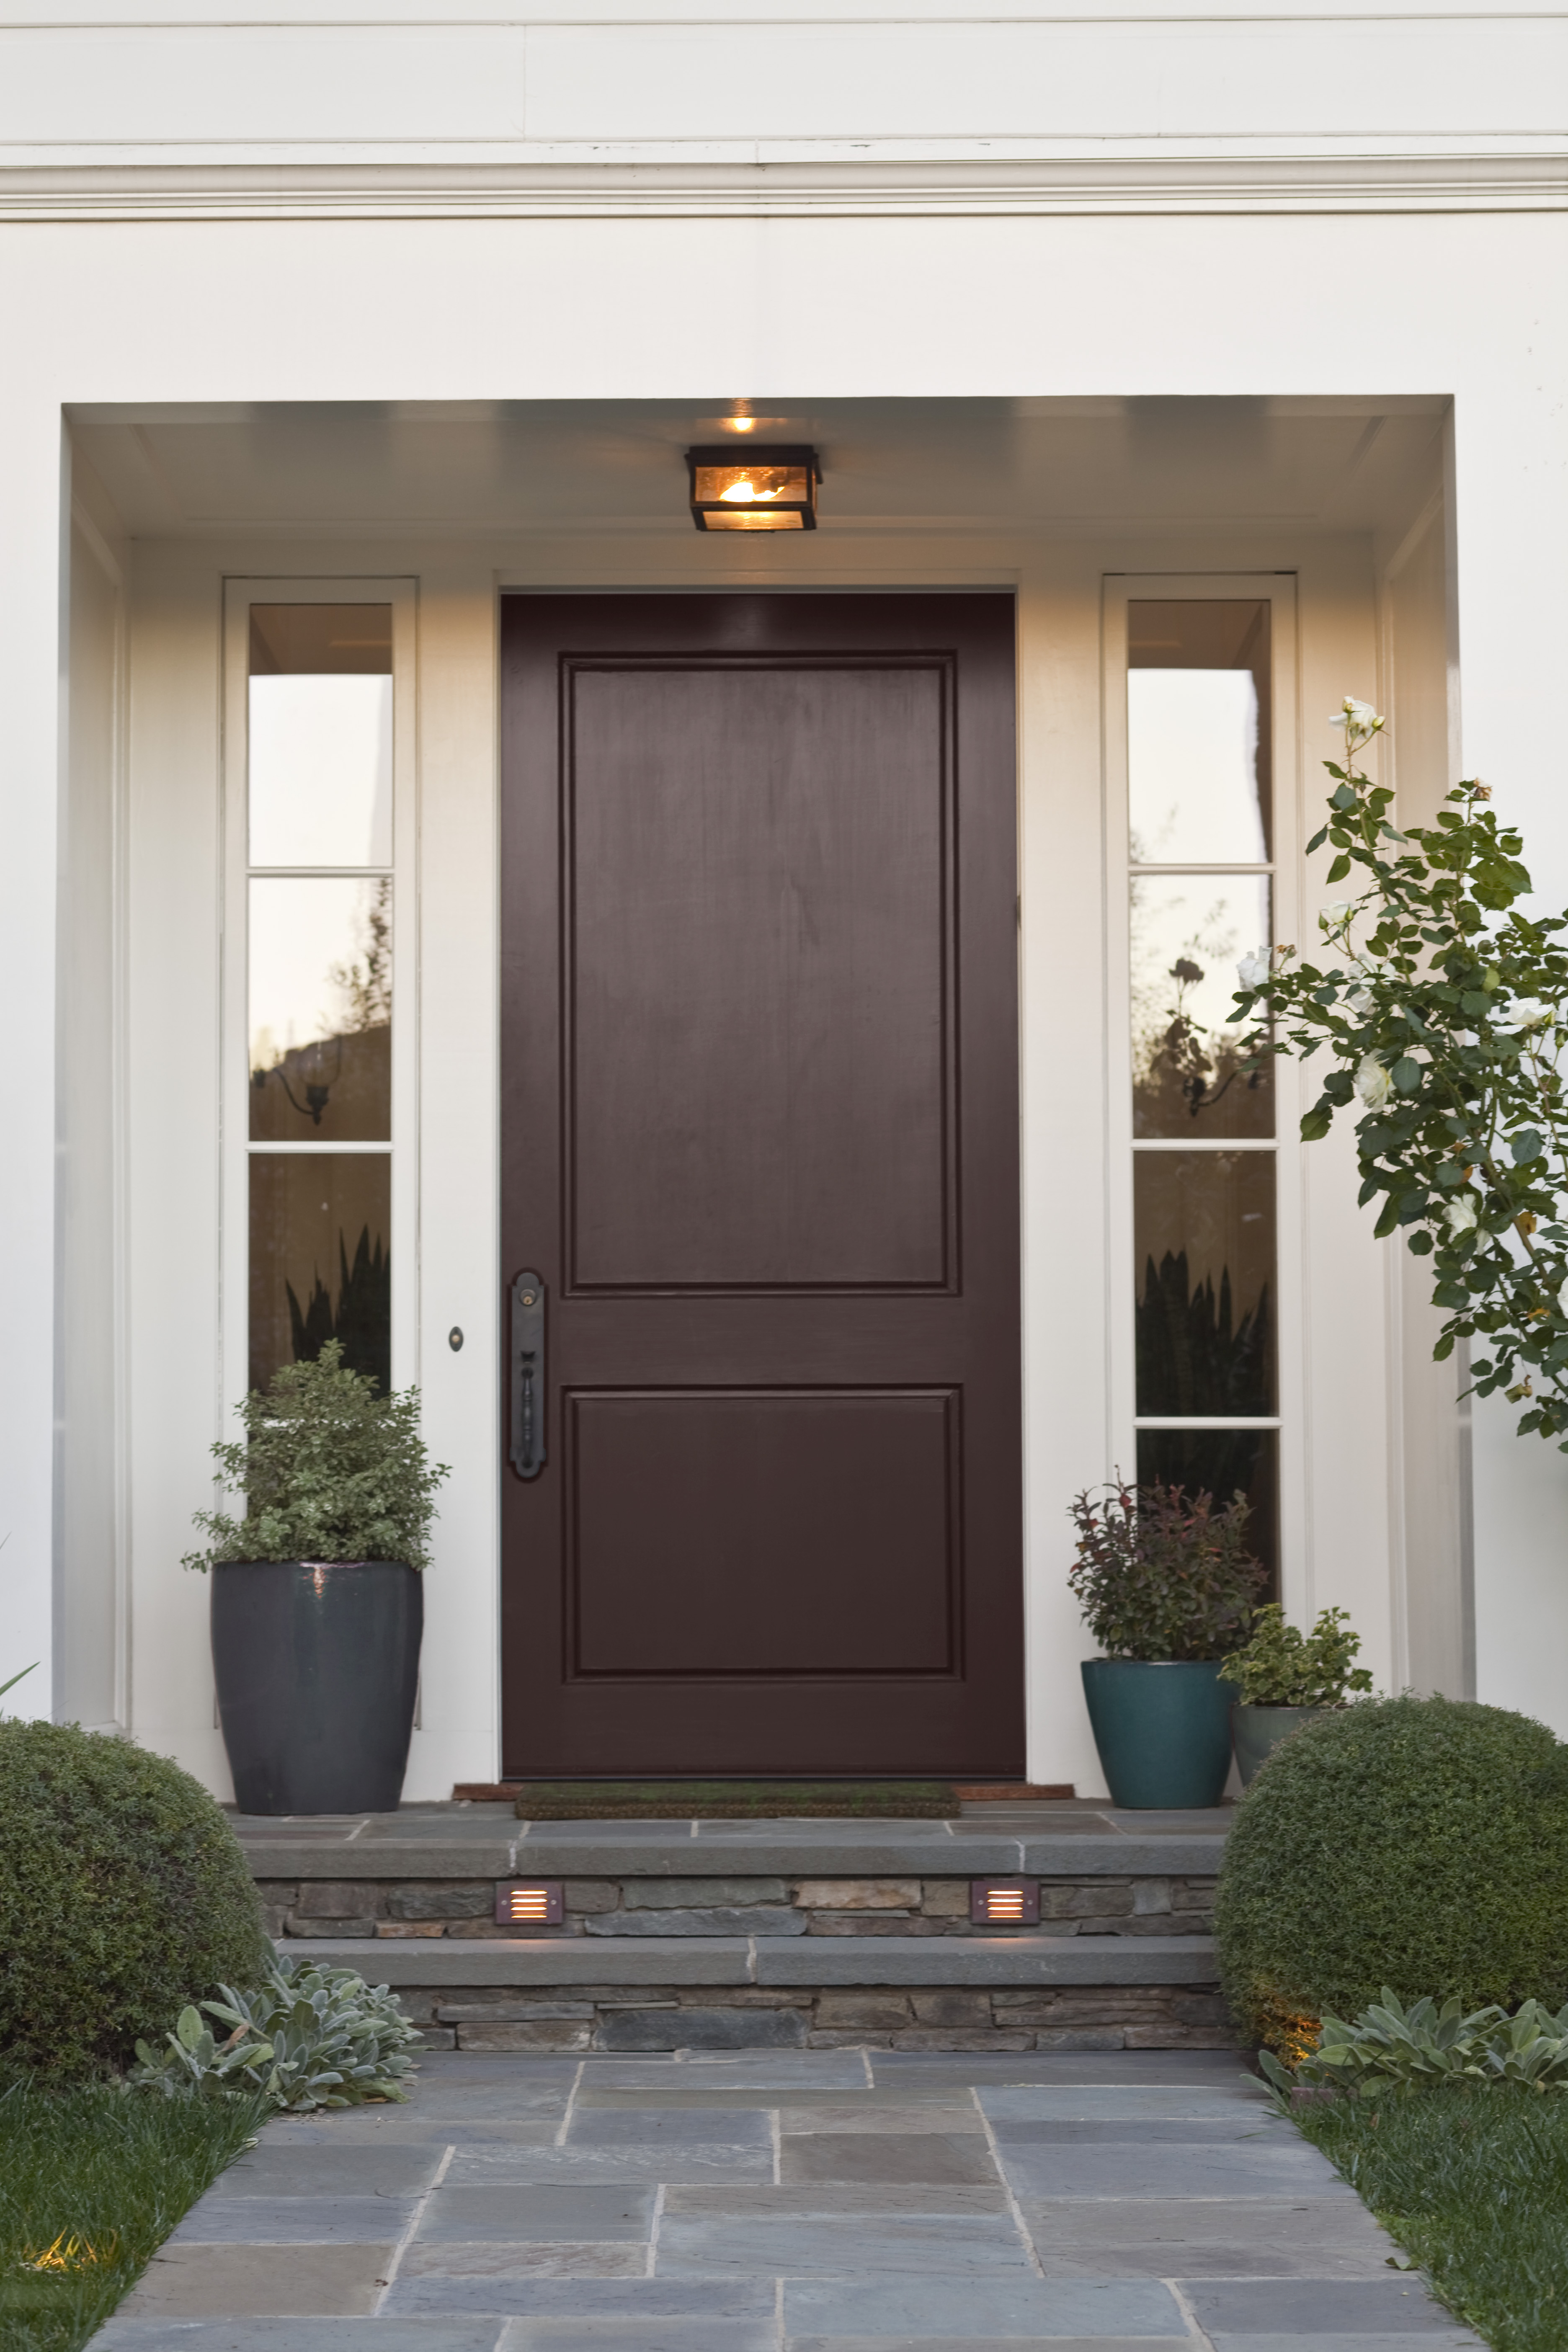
<point>775,489</point>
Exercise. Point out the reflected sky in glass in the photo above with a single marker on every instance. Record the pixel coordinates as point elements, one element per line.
<point>320,770</point>
<point>1192,766</point>
<point>320,952</point>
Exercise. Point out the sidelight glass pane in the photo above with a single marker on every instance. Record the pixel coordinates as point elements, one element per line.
<point>320,1226</point>
<point>1198,732</point>
<point>1188,932</point>
<point>1218,1462</point>
<point>1203,1237</point>
<point>320,1010</point>
<point>321,735</point>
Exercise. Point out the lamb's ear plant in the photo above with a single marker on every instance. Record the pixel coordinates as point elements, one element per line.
<point>307,2037</point>
<point>1392,2047</point>
<point>1443,1006</point>
<point>330,1470</point>
<point>1279,1666</point>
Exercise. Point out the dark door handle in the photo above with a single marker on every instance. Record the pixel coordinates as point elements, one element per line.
<point>528,1375</point>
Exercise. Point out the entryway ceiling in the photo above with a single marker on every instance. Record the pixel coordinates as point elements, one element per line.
<point>478,470</point>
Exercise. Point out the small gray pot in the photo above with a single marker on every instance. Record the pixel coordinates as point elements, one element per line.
<point>1257,1731</point>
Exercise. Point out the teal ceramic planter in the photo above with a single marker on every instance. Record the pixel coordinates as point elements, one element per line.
<point>1162,1731</point>
<point>1259,1729</point>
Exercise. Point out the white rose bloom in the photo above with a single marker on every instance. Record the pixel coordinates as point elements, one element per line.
<point>1335,918</point>
<point>1373,1082</point>
<point>1360,1000</point>
<point>1359,717</point>
<point>1253,969</point>
<point>1527,1012</point>
<point>1461,1214</point>
<point>1562,1299</point>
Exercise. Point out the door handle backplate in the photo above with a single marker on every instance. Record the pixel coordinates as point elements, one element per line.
<point>528,1375</point>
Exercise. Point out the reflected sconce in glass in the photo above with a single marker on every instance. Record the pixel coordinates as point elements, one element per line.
<point>315,1067</point>
<point>773,487</point>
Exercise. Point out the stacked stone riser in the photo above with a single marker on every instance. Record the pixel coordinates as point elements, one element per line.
<point>415,1908</point>
<point>713,1936</point>
<point>606,2017</point>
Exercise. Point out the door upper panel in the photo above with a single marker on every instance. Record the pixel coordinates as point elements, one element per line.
<point>757,957</point>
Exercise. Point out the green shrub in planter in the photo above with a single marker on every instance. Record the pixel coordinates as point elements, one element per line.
<point>1278,1666</point>
<point>123,1893</point>
<point>1414,1843</point>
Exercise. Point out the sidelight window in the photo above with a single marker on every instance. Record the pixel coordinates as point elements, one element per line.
<point>1197,689</point>
<point>314,824</point>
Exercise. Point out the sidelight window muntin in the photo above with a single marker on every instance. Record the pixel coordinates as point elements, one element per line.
<point>318,1115</point>
<point>1204,1388</point>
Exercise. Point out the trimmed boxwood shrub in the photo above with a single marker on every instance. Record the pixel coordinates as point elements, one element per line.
<point>123,1895</point>
<point>1420,1843</point>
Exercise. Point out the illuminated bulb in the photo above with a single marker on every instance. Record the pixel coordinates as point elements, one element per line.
<point>530,1903</point>
<point>747,494</point>
<point>741,424</point>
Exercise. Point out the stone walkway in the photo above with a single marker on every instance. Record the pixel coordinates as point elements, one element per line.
<point>803,2201</point>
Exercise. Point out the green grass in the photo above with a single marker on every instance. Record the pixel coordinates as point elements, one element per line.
<point>1473,2182</point>
<point>112,2171</point>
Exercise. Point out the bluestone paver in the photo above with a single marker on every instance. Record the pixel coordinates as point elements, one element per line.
<point>833,2200</point>
<point>980,2310</point>
<point>557,2210</point>
<point>294,2221</point>
<point>1332,2308</point>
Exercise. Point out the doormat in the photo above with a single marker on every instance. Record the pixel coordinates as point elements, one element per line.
<point>732,1801</point>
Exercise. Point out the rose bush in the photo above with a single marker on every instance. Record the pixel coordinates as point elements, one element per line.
<point>1442,1003</point>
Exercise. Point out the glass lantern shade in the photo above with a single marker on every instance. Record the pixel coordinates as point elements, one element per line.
<point>770,489</point>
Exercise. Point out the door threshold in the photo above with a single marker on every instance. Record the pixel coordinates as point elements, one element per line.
<point>738,1799</point>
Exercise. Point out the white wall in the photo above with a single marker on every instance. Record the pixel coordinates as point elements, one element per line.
<point>922,105</point>
<point>175,1400</point>
<point>1433,1591</point>
<point>90,1385</point>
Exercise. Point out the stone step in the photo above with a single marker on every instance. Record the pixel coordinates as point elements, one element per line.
<point>707,1994</point>
<point>1019,1959</point>
<point>437,1873</point>
<point>486,1841</point>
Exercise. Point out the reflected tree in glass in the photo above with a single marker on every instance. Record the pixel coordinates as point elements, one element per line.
<point>1188,932</point>
<point>321,1009</point>
<point>1222,1462</point>
<point>1203,1232</point>
<point>320,1264</point>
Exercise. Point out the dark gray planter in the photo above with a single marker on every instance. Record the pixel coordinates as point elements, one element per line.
<point>1259,1729</point>
<point>317,1665</point>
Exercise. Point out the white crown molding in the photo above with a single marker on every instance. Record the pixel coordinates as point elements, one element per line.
<point>682,188</point>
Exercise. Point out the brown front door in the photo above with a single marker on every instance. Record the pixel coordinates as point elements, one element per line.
<point>760,1133</point>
